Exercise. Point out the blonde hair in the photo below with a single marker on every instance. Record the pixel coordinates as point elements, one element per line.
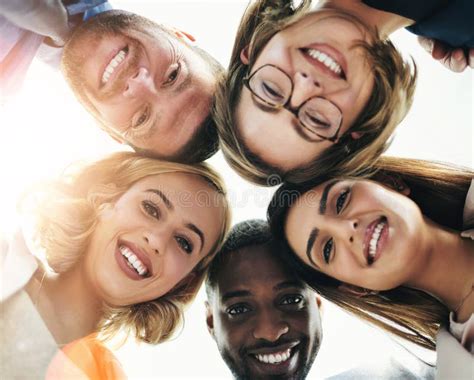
<point>390,100</point>
<point>440,191</point>
<point>66,213</point>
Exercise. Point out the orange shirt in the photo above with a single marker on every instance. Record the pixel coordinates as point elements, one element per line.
<point>85,358</point>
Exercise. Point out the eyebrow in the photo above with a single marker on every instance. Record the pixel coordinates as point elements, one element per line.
<point>163,197</point>
<point>185,83</point>
<point>235,294</point>
<point>150,128</point>
<point>324,197</point>
<point>194,228</point>
<point>309,246</point>
<point>288,284</point>
<point>315,231</point>
<point>247,293</point>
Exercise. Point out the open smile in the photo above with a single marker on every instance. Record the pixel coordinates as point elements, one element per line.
<point>114,65</point>
<point>133,261</point>
<point>376,236</point>
<point>326,59</point>
<point>279,359</point>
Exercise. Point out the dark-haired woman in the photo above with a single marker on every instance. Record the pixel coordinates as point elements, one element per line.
<point>389,250</point>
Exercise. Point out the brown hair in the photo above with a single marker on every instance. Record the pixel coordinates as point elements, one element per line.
<point>203,144</point>
<point>390,100</point>
<point>440,191</point>
<point>66,216</point>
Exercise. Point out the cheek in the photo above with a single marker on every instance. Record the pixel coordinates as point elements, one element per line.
<point>176,269</point>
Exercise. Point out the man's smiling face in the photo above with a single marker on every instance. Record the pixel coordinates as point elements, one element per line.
<point>265,321</point>
<point>142,82</point>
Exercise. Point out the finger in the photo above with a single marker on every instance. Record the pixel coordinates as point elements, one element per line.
<point>426,43</point>
<point>456,62</point>
<point>471,58</point>
<point>440,50</point>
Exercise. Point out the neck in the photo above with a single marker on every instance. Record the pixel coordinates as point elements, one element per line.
<point>449,270</point>
<point>69,305</point>
<point>384,22</point>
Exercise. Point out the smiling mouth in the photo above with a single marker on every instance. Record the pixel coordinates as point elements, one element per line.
<point>373,247</point>
<point>113,64</point>
<point>274,358</point>
<point>326,60</point>
<point>134,262</point>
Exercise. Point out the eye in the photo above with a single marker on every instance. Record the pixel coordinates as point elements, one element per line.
<point>173,74</point>
<point>313,118</point>
<point>238,309</point>
<point>342,200</point>
<point>184,244</point>
<point>271,92</point>
<point>327,249</point>
<point>141,119</point>
<point>151,209</point>
<point>293,299</point>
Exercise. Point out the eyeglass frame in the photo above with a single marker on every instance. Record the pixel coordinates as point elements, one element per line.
<point>295,111</point>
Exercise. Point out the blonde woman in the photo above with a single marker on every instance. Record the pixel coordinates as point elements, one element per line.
<point>390,251</point>
<point>127,242</point>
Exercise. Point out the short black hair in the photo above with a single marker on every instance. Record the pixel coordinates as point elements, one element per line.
<point>245,234</point>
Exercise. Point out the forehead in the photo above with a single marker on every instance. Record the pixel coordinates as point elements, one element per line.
<point>253,267</point>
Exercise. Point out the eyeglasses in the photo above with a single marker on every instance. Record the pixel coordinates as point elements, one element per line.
<point>273,87</point>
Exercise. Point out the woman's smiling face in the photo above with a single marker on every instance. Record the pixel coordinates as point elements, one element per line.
<point>318,53</point>
<point>359,232</point>
<point>153,237</point>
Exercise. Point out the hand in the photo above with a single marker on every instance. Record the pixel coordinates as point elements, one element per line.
<point>455,59</point>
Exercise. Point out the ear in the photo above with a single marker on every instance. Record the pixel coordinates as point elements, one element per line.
<point>209,319</point>
<point>244,55</point>
<point>318,301</point>
<point>320,305</point>
<point>356,290</point>
<point>356,135</point>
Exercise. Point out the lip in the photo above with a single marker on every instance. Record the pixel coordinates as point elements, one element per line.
<point>381,241</point>
<point>286,367</point>
<point>272,350</point>
<point>141,255</point>
<point>333,53</point>
<point>118,69</point>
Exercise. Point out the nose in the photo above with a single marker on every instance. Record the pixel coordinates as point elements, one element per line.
<point>269,326</point>
<point>140,84</point>
<point>153,243</point>
<point>344,230</point>
<point>305,87</point>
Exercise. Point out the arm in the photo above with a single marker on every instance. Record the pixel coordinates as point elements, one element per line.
<point>44,17</point>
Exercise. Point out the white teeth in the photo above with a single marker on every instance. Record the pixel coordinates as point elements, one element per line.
<point>276,358</point>
<point>325,59</point>
<point>115,61</point>
<point>375,238</point>
<point>133,261</point>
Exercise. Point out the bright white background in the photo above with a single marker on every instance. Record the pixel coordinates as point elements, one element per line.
<point>44,129</point>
